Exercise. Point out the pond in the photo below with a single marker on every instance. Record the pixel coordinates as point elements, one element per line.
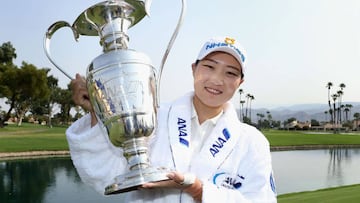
<point>52,180</point>
<point>304,170</point>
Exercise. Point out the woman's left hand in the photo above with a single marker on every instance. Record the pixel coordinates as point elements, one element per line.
<point>176,180</point>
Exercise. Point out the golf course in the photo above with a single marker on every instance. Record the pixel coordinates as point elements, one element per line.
<point>33,140</point>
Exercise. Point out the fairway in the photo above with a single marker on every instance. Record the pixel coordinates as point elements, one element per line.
<point>345,194</point>
<point>299,138</point>
<point>30,137</point>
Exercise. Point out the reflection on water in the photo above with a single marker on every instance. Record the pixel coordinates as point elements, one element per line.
<point>54,180</point>
<point>49,180</point>
<point>306,170</point>
<point>338,158</point>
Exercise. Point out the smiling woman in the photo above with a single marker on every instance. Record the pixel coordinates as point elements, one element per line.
<point>197,136</point>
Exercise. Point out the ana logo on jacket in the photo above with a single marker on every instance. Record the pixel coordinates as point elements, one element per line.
<point>183,135</point>
<point>219,143</point>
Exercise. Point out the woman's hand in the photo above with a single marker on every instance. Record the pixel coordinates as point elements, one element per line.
<point>80,96</point>
<point>179,181</point>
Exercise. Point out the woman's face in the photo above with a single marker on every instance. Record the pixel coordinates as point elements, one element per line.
<point>216,78</point>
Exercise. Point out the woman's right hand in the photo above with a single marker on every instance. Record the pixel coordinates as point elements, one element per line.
<point>80,96</point>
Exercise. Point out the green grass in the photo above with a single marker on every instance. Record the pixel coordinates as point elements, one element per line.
<point>348,194</point>
<point>288,138</point>
<point>30,137</point>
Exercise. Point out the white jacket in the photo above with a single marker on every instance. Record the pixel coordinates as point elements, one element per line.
<point>234,163</point>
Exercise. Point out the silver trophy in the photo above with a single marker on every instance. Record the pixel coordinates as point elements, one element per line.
<point>123,85</point>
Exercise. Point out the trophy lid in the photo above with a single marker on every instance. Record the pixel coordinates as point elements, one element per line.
<point>93,19</point>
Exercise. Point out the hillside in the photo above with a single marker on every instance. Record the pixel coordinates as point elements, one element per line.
<point>303,112</point>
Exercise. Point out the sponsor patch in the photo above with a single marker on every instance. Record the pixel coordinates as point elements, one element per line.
<point>219,143</point>
<point>228,181</point>
<point>183,134</point>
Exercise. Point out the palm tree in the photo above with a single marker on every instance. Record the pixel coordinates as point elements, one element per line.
<point>241,91</point>
<point>251,99</point>
<point>342,86</point>
<point>341,113</point>
<point>326,113</point>
<point>334,97</point>
<point>260,116</point>
<point>260,122</point>
<point>357,117</point>
<point>346,111</point>
<point>269,117</point>
<point>348,106</point>
<point>247,104</point>
<point>340,94</point>
<point>242,102</point>
<point>331,113</point>
<point>329,85</point>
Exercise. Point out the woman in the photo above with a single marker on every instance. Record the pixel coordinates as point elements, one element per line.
<point>214,157</point>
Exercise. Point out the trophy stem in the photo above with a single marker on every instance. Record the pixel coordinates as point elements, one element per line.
<point>135,151</point>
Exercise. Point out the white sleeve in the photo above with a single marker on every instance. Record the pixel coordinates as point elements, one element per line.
<point>259,193</point>
<point>260,186</point>
<point>96,160</point>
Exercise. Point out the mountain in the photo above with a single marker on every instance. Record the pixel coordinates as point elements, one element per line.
<point>302,112</point>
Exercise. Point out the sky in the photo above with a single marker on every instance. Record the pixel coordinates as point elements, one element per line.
<point>294,47</point>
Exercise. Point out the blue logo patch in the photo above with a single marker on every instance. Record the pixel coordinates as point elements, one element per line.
<point>226,180</point>
<point>183,135</point>
<point>272,183</point>
<point>219,142</point>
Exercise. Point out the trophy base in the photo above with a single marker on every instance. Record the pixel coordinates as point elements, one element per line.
<point>132,180</point>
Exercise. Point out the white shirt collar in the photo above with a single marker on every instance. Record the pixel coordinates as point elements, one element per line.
<point>213,120</point>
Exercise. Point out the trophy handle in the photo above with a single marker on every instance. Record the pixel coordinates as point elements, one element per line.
<point>51,30</point>
<point>147,6</point>
<point>170,44</point>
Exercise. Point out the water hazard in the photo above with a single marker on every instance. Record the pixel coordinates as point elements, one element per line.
<point>305,170</point>
<point>52,180</point>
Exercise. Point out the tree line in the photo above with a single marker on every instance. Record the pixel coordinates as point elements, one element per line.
<point>28,89</point>
<point>339,112</point>
<point>245,113</point>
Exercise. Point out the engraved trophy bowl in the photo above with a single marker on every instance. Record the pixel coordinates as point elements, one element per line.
<point>122,89</point>
<point>123,85</point>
